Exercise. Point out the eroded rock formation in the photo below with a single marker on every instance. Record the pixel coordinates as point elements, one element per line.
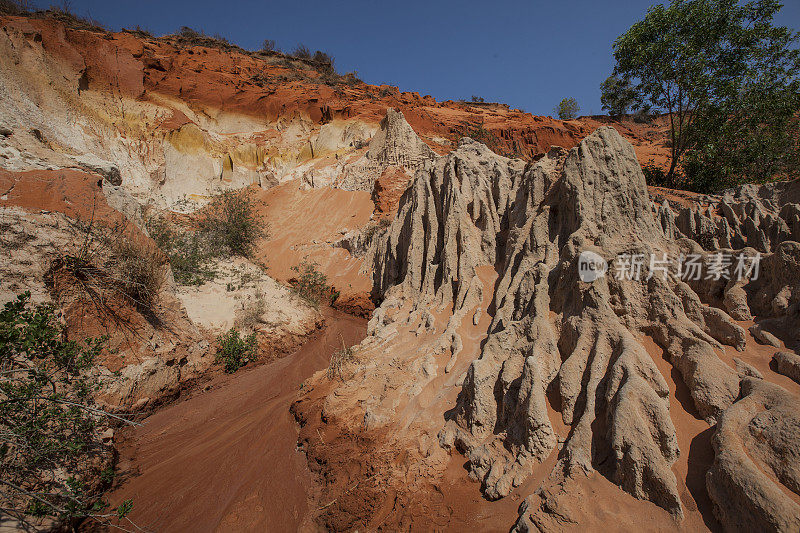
<point>395,144</point>
<point>755,478</point>
<point>555,346</point>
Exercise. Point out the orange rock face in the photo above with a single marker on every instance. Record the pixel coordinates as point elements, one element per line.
<point>389,188</point>
<point>275,86</point>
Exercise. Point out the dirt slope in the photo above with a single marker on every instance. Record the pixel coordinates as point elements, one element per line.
<point>226,459</point>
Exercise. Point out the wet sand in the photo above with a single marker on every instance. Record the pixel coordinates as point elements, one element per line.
<point>226,458</point>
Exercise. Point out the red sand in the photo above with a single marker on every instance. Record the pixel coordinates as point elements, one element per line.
<point>304,224</point>
<point>226,459</point>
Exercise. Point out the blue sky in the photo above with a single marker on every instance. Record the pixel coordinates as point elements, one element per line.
<point>528,54</point>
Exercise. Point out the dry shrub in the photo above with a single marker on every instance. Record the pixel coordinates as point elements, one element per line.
<point>108,266</point>
<point>191,37</point>
<point>13,7</point>
<point>64,13</point>
<point>268,45</point>
<point>375,229</point>
<point>251,312</point>
<point>339,359</point>
<point>137,267</point>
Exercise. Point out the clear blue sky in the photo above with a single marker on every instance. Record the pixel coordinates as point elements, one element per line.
<point>528,54</point>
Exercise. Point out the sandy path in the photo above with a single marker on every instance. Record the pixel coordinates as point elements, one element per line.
<point>226,459</point>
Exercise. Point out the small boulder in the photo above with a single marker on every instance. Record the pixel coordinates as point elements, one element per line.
<point>787,364</point>
<point>107,436</point>
<point>746,370</point>
<point>764,337</point>
<point>109,172</point>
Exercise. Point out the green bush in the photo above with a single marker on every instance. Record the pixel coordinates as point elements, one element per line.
<point>53,459</point>
<point>311,284</point>
<point>234,352</point>
<point>230,226</point>
<point>232,223</point>
<point>567,109</point>
<point>189,253</point>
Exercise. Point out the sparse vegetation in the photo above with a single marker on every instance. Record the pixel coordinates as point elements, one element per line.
<point>232,224</point>
<point>53,462</point>
<point>374,229</point>
<point>567,109</point>
<point>190,254</point>
<point>481,134</point>
<point>13,7</point>
<point>229,226</point>
<point>320,61</point>
<point>109,266</point>
<point>65,14</point>
<point>235,351</point>
<point>302,52</point>
<point>187,36</point>
<point>339,359</point>
<point>251,312</point>
<point>62,12</point>
<point>140,32</point>
<point>268,45</point>
<point>311,284</point>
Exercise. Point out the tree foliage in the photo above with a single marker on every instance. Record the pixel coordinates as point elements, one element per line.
<point>619,97</point>
<point>232,222</point>
<point>567,109</point>
<point>727,77</point>
<point>53,459</point>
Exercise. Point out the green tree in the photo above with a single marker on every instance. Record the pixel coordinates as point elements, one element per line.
<point>567,109</point>
<point>728,79</point>
<point>52,460</point>
<point>618,96</point>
